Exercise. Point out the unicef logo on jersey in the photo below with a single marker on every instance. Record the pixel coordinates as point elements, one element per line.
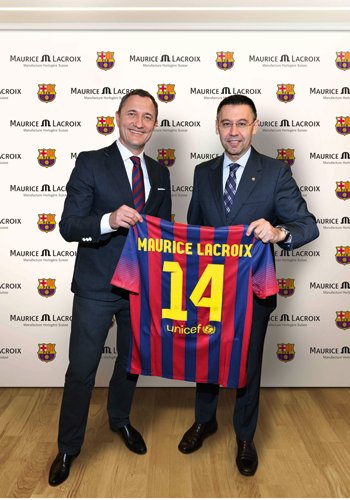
<point>191,330</point>
<point>208,329</point>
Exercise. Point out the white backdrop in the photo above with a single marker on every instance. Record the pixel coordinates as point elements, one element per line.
<point>300,83</point>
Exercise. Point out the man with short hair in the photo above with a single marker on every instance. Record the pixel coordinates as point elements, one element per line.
<point>245,187</point>
<point>107,193</point>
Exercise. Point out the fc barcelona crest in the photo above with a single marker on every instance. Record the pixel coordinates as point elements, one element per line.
<point>46,157</point>
<point>46,352</point>
<point>105,125</point>
<point>46,287</point>
<point>342,320</point>
<point>105,60</point>
<point>224,60</point>
<point>342,255</point>
<point>46,222</point>
<point>342,190</point>
<point>285,92</point>
<point>342,61</point>
<point>166,92</point>
<point>285,352</point>
<point>46,92</point>
<point>286,155</point>
<point>342,125</point>
<point>166,157</point>
<point>286,287</point>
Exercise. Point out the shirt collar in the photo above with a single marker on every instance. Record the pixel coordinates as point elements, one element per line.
<point>242,161</point>
<point>125,153</point>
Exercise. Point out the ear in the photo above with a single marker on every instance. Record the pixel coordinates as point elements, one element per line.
<point>216,126</point>
<point>256,127</point>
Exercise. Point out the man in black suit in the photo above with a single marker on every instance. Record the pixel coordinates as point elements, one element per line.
<point>245,187</point>
<point>107,191</point>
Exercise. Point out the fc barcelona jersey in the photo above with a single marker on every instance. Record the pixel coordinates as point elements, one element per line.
<point>191,298</point>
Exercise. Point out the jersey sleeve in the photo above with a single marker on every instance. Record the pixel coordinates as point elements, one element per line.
<point>263,270</point>
<point>127,272</point>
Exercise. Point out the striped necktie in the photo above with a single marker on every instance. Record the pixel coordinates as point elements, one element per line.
<point>138,188</point>
<point>230,188</point>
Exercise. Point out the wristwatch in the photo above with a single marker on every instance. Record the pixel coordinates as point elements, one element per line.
<point>288,236</point>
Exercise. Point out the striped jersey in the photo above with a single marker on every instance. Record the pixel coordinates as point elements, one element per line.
<point>191,298</point>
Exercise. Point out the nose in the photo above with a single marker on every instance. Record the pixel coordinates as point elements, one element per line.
<point>233,129</point>
<point>138,121</point>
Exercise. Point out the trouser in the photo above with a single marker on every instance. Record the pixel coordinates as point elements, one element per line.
<point>91,321</point>
<point>245,416</point>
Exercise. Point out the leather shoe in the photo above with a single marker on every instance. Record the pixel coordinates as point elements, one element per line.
<point>60,468</point>
<point>247,458</point>
<point>194,437</point>
<point>132,438</point>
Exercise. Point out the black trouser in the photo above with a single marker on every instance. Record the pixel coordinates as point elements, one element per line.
<point>91,321</point>
<point>245,416</point>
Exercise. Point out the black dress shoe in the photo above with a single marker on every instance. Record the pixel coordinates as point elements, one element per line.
<point>194,437</point>
<point>132,438</point>
<point>60,468</point>
<point>247,458</point>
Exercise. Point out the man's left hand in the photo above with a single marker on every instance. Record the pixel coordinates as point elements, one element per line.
<point>265,232</point>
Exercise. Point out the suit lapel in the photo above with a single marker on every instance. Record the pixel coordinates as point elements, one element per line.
<point>116,169</point>
<point>215,181</point>
<point>249,180</point>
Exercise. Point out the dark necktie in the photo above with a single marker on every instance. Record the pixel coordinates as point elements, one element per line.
<point>138,188</point>
<point>230,188</point>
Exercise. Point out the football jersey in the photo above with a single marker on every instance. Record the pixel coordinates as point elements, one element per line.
<point>191,298</point>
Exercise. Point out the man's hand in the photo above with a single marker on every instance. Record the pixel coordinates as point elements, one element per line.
<point>263,231</point>
<point>124,216</point>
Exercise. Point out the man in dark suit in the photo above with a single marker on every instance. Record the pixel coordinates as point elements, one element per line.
<point>245,187</point>
<point>107,191</point>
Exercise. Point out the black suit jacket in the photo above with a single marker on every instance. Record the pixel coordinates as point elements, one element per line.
<point>98,185</point>
<point>266,190</point>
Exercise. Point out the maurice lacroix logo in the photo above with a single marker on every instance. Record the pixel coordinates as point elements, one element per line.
<point>286,155</point>
<point>46,287</point>
<point>342,190</point>
<point>224,60</point>
<point>46,222</point>
<point>105,60</point>
<point>46,92</point>
<point>342,255</point>
<point>166,157</point>
<point>285,92</point>
<point>286,287</point>
<point>166,92</point>
<point>46,157</point>
<point>342,60</point>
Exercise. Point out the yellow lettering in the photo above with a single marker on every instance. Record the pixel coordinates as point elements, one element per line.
<point>199,249</point>
<point>208,249</point>
<point>217,249</point>
<point>142,244</point>
<point>166,246</point>
<point>248,249</point>
<point>225,250</point>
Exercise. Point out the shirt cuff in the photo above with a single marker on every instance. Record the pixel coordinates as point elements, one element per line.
<point>104,225</point>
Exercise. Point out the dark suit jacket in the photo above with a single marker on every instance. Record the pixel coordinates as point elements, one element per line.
<point>98,185</point>
<point>266,190</point>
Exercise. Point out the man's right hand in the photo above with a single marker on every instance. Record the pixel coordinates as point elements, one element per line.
<point>124,216</point>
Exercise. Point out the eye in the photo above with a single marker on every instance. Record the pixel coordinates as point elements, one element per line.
<point>226,124</point>
<point>241,124</point>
